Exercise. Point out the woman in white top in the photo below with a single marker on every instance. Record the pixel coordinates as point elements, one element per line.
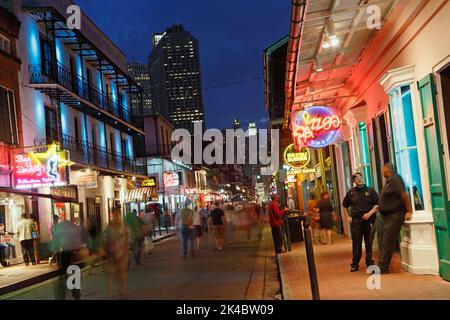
<point>198,225</point>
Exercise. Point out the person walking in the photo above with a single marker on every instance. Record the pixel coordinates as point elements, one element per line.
<point>35,238</point>
<point>218,222</point>
<point>198,229</point>
<point>275,215</point>
<point>363,201</point>
<point>185,221</point>
<point>25,230</point>
<point>116,247</point>
<point>314,215</point>
<point>205,214</point>
<point>327,213</point>
<point>395,208</point>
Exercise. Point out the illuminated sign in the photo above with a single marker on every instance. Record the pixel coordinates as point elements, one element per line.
<point>46,169</point>
<point>171,179</point>
<point>296,159</point>
<point>315,127</point>
<point>150,182</point>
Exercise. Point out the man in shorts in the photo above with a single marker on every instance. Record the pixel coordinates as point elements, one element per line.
<point>218,220</point>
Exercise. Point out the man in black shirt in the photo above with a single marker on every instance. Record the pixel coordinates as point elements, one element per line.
<point>218,221</point>
<point>395,208</point>
<point>363,202</point>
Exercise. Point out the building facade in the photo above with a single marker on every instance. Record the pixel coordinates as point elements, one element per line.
<point>390,86</point>
<point>78,120</point>
<point>140,73</point>
<point>174,66</point>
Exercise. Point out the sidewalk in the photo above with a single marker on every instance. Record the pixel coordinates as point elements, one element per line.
<point>337,283</point>
<point>19,276</point>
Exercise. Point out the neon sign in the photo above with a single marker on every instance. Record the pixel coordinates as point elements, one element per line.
<point>296,159</point>
<point>46,169</point>
<point>315,127</point>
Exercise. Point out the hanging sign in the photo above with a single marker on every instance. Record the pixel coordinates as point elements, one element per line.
<point>46,169</point>
<point>296,159</point>
<point>87,179</point>
<point>150,182</point>
<point>315,127</point>
<point>171,179</point>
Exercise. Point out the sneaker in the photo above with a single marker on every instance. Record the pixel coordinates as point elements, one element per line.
<point>354,268</point>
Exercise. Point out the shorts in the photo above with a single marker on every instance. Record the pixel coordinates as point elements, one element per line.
<point>219,231</point>
<point>198,231</point>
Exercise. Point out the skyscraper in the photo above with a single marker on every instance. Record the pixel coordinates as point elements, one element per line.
<point>174,65</point>
<point>140,74</point>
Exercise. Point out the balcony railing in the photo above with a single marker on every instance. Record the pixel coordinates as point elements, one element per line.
<point>59,74</point>
<point>91,154</point>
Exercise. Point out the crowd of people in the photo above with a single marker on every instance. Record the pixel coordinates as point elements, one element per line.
<point>362,205</point>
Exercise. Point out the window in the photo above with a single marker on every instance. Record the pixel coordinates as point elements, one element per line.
<point>365,154</point>
<point>8,124</point>
<point>111,141</point>
<point>405,145</point>
<point>51,125</point>
<point>5,44</point>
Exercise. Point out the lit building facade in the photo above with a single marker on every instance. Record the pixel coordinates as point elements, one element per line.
<point>77,111</point>
<point>140,73</point>
<point>174,66</point>
<point>390,86</point>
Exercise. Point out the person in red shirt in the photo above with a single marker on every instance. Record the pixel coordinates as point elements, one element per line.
<point>275,215</point>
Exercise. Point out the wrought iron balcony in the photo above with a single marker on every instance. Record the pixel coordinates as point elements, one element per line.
<point>91,154</point>
<point>56,73</point>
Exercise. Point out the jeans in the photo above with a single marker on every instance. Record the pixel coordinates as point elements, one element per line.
<point>27,250</point>
<point>362,229</point>
<point>187,234</point>
<point>137,250</point>
<point>392,224</point>
<point>277,236</point>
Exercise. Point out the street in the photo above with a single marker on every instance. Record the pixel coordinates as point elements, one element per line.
<point>244,270</point>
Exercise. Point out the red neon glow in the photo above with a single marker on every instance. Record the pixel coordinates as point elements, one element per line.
<point>312,127</point>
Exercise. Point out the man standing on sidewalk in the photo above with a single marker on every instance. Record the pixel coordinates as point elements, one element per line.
<point>395,208</point>
<point>25,230</point>
<point>363,202</point>
<point>275,221</point>
<point>185,221</point>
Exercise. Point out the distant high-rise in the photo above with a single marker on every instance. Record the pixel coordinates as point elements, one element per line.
<point>140,74</point>
<point>174,65</point>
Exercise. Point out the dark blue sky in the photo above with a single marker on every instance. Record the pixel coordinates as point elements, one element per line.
<point>232,36</point>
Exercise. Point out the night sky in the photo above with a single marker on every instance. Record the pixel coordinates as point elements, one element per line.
<point>232,36</point>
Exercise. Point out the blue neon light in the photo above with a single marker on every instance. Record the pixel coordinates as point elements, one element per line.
<point>33,41</point>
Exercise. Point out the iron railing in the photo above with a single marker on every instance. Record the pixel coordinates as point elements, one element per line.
<point>91,154</point>
<point>59,74</point>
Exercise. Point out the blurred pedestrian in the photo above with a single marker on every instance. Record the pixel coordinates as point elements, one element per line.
<point>291,203</point>
<point>218,221</point>
<point>198,225</point>
<point>116,246</point>
<point>55,253</point>
<point>68,241</point>
<point>395,208</point>
<point>327,213</point>
<point>205,214</point>
<point>94,235</point>
<point>363,202</point>
<point>185,221</point>
<point>25,232</point>
<point>275,221</point>
<point>314,215</point>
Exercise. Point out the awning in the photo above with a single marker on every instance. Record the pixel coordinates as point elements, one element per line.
<point>41,195</point>
<point>141,194</point>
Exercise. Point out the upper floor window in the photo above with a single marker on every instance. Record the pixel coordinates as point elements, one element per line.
<point>405,143</point>
<point>5,44</point>
<point>8,120</point>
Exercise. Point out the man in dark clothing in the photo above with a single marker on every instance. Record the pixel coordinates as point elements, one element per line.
<point>275,222</point>
<point>218,221</point>
<point>363,202</point>
<point>395,207</point>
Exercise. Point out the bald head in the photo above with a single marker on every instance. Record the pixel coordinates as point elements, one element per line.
<point>388,171</point>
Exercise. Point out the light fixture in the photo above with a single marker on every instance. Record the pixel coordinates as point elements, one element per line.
<point>331,30</point>
<point>326,45</point>
<point>335,42</point>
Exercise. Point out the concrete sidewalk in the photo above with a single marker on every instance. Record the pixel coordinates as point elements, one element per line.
<point>19,276</point>
<point>337,283</point>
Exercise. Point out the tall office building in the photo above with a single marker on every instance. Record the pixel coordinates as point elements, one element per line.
<point>174,65</point>
<point>139,72</point>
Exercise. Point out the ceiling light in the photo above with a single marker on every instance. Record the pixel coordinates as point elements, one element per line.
<point>326,45</point>
<point>335,42</point>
